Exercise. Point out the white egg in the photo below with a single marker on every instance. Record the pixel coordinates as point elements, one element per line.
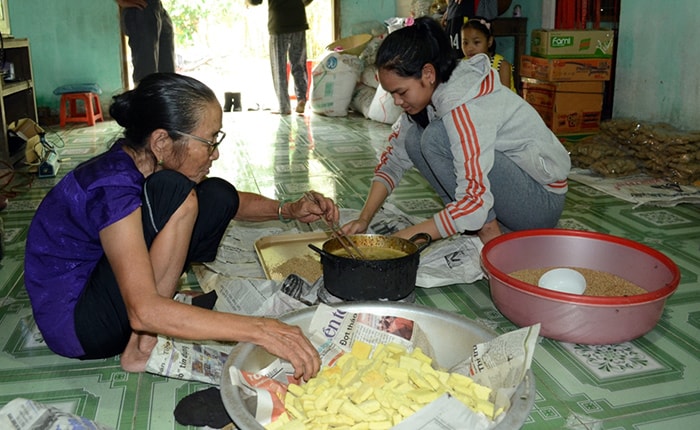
<point>563,280</point>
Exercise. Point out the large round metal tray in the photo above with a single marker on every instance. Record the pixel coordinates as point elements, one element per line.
<point>451,335</point>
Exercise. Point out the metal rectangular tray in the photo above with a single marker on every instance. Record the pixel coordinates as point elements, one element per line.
<point>274,251</point>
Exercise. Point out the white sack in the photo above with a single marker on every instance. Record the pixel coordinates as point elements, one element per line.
<point>369,76</point>
<point>383,108</point>
<point>362,99</point>
<point>333,83</point>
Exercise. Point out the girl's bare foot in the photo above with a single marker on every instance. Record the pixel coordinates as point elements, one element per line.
<point>137,352</point>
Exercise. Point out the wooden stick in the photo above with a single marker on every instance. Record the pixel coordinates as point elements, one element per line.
<point>352,250</point>
<point>342,237</point>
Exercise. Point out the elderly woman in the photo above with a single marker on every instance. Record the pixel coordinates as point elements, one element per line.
<point>108,244</point>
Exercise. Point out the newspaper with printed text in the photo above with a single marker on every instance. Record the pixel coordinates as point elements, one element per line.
<point>25,414</point>
<point>203,361</point>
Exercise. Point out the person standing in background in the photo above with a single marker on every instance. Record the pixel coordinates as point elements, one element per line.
<point>287,26</point>
<point>151,39</point>
<point>454,18</point>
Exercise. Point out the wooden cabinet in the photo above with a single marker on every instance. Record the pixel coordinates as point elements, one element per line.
<point>18,98</point>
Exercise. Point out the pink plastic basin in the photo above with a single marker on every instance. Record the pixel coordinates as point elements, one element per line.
<point>571,317</point>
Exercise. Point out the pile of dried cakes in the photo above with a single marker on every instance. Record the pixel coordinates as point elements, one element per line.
<point>625,147</point>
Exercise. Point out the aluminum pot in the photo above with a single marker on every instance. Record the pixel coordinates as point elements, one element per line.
<point>357,279</point>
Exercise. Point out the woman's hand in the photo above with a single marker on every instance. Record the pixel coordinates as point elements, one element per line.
<point>313,206</point>
<point>290,343</point>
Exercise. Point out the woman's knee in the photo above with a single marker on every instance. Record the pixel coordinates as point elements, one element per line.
<point>218,204</point>
<point>217,186</point>
<point>219,195</point>
<point>542,210</point>
<point>188,209</point>
<point>164,194</point>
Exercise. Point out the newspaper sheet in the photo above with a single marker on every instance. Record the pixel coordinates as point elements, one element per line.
<point>203,361</point>
<point>639,189</point>
<point>503,361</point>
<point>445,413</point>
<point>499,363</point>
<point>25,414</point>
<point>236,255</point>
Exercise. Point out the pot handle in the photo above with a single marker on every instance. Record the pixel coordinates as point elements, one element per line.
<point>320,251</point>
<point>425,237</point>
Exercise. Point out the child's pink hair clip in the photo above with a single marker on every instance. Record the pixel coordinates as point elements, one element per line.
<point>485,23</point>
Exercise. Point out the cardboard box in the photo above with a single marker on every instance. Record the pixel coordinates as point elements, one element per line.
<point>572,43</point>
<point>566,107</point>
<point>565,69</point>
<point>23,131</point>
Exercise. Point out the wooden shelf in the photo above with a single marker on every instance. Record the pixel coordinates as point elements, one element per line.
<point>17,97</point>
<point>516,28</point>
<point>13,87</point>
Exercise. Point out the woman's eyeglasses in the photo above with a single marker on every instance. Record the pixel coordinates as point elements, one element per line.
<point>218,138</point>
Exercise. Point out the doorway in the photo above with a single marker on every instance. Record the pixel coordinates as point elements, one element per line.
<point>225,45</point>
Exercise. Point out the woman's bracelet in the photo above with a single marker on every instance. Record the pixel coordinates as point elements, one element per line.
<point>279,211</point>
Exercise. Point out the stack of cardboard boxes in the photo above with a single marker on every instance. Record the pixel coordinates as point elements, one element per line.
<point>564,78</point>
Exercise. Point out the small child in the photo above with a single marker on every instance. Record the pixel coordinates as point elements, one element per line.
<point>477,39</point>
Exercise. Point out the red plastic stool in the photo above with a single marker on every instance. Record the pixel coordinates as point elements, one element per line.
<point>91,112</point>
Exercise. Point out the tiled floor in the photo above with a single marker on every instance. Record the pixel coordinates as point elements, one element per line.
<point>650,383</point>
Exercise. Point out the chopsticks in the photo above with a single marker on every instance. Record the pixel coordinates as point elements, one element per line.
<point>347,243</point>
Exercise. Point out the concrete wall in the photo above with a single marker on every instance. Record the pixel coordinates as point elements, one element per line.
<point>658,62</point>
<point>72,41</point>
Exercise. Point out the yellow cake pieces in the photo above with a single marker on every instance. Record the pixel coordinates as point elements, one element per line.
<point>375,388</point>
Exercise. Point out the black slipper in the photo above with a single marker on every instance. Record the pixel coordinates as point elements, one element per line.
<point>203,408</point>
<point>206,301</point>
